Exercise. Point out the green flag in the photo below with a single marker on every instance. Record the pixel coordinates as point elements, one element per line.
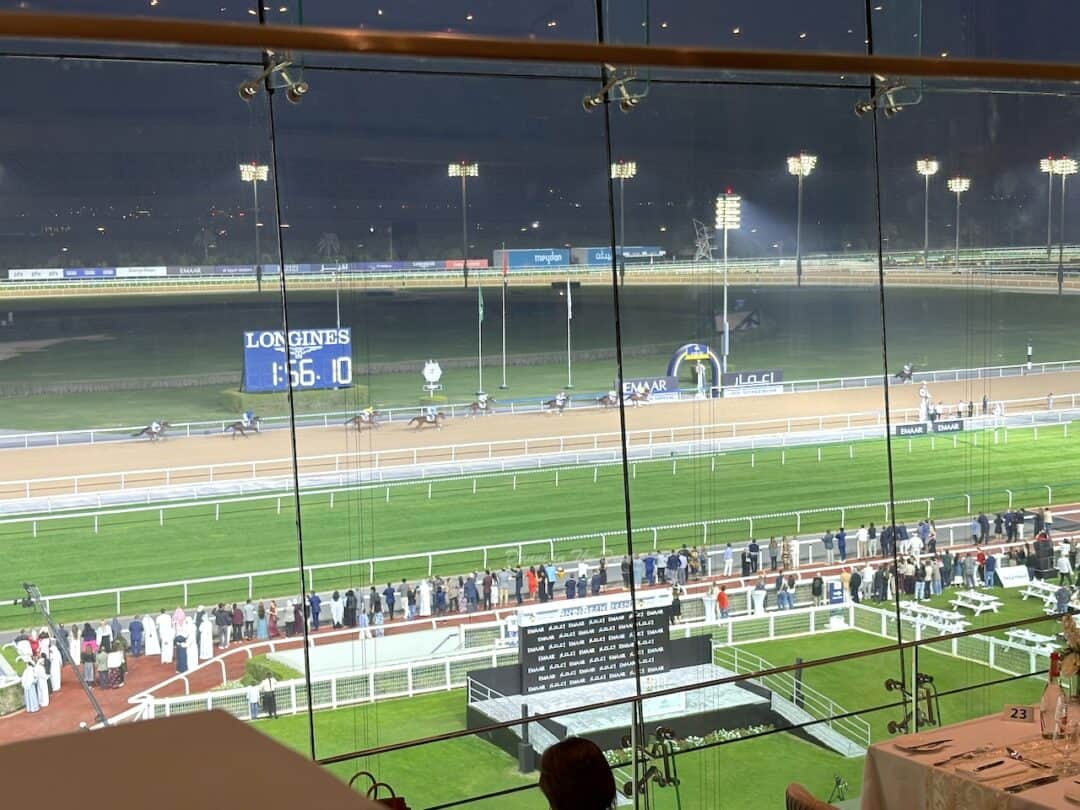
<point>480,304</point>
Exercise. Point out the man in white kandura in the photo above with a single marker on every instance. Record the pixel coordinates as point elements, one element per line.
<point>152,645</point>
<point>425,598</point>
<point>166,634</point>
<point>206,638</point>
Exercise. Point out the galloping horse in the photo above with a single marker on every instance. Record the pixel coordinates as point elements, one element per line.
<point>608,400</point>
<point>558,404</point>
<point>252,424</point>
<point>481,407</point>
<point>905,374</point>
<point>637,398</point>
<point>424,420</point>
<point>365,419</point>
<point>154,431</point>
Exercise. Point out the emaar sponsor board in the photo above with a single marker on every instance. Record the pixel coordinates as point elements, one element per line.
<point>602,255</point>
<point>656,387</point>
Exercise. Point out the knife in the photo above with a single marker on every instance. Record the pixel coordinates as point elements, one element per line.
<point>1042,780</point>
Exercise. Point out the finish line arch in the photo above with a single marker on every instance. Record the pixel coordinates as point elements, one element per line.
<point>696,352</point>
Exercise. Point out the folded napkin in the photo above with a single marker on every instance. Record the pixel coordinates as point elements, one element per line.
<point>1007,768</point>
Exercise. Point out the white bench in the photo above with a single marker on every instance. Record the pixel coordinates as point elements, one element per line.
<point>946,620</point>
<point>1043,644</point>
<point>1042,590</point>
<point>974,601</point>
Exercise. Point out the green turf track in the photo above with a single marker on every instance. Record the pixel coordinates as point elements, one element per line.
<point>809,333</point>
<point>133,549</point>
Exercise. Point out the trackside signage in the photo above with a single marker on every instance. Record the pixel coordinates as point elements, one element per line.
<point>916,429</point>
<point>949,426</point>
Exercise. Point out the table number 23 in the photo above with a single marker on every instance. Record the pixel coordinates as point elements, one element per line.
<point>1020,714</point>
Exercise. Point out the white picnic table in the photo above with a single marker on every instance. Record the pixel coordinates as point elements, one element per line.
<point>975,601</point>
<point>933,617</point>
<point>1041,589</point>
<point>1028,638</point>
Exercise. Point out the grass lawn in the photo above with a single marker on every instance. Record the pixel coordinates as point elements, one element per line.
<point>132,549</point>
<point>807,333</point>
<point>858,684</point>
<point>471,766</point>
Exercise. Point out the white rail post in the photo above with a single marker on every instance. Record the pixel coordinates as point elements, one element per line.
<point>1049,494</point>
<point>251,587</point>
<point>654,539</point>
<point>967,500</point>
<point>161,517</point>
<point>217,511</point>
<point>185,592</point>
<point>117,601</point>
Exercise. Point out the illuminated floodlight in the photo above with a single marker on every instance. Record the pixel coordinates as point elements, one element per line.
<point>927,167</point>
<point>958,185</point>
<point>624,170</point>
<point>250,172</point>
<point>1065,166</point>
<point>801,164</point>
<point>463,169</point>
<point>728,212</point>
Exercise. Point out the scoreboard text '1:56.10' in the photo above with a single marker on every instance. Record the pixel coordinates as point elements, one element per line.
<point>311,359</point>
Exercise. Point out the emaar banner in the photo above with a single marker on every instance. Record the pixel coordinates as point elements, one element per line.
<point>602,255</point>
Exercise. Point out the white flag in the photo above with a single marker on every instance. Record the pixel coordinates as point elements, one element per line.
<point>569,302</point>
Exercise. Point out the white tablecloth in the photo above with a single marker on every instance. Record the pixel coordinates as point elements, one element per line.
<point>895,780</point>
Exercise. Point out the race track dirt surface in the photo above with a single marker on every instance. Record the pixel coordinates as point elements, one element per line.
<point>178,452</point>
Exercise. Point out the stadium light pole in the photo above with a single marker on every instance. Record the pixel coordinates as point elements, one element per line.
<point>1046,166</point>
<point>927,167</point>
<point>622,171</point>
<point>1064,167</point>
<point>958,185</point>
<point>255,173</point>
<point>800,165</point>
<point>728,218</point>
<point>464,169</point>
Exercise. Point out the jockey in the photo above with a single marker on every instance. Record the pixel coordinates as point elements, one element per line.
<point>482,401</point>
<point>155,427</point>
<point>430,413</point>
<point>612,396</point>
<point>247,418</point>
<point>367,414</point>
<point>560,400</point>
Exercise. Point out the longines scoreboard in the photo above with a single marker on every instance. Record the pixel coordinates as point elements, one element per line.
<point>593,648</point>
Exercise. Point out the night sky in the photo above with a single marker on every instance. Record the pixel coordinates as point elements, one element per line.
<point>149,151</point>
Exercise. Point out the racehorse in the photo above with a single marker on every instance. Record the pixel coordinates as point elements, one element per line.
<point>364,419</point>
<point>558,404</point>
<point>637,398</point>
<point>424,420</point>
<point>154,431</point>
<point>608,400</point>
<point>481,407</point>
<point>242,428</point>
<point>905,374</point>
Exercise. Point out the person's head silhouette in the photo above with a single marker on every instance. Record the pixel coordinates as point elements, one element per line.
<point>574,775</point>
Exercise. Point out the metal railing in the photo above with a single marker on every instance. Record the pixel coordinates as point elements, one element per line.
<point>804,697</point>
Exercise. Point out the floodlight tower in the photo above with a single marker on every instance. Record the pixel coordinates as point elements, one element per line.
<point>622,171</point>
<point>255,173</point>
<point>958,185</point>
<point>800,165</point>
<point>927,167</point>
<point>464,169</point>
<point>728,218</point>
<point>1064,167</point>
<point>1046,166</point>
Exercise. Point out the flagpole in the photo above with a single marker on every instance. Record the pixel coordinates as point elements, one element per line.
<point>504,280</point>
<point>569,316</point>
<point>480,338</point>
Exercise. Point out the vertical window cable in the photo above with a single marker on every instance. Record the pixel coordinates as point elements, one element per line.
<point>872,88</point>
<point>637,723</point>
<point>279,242</point>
